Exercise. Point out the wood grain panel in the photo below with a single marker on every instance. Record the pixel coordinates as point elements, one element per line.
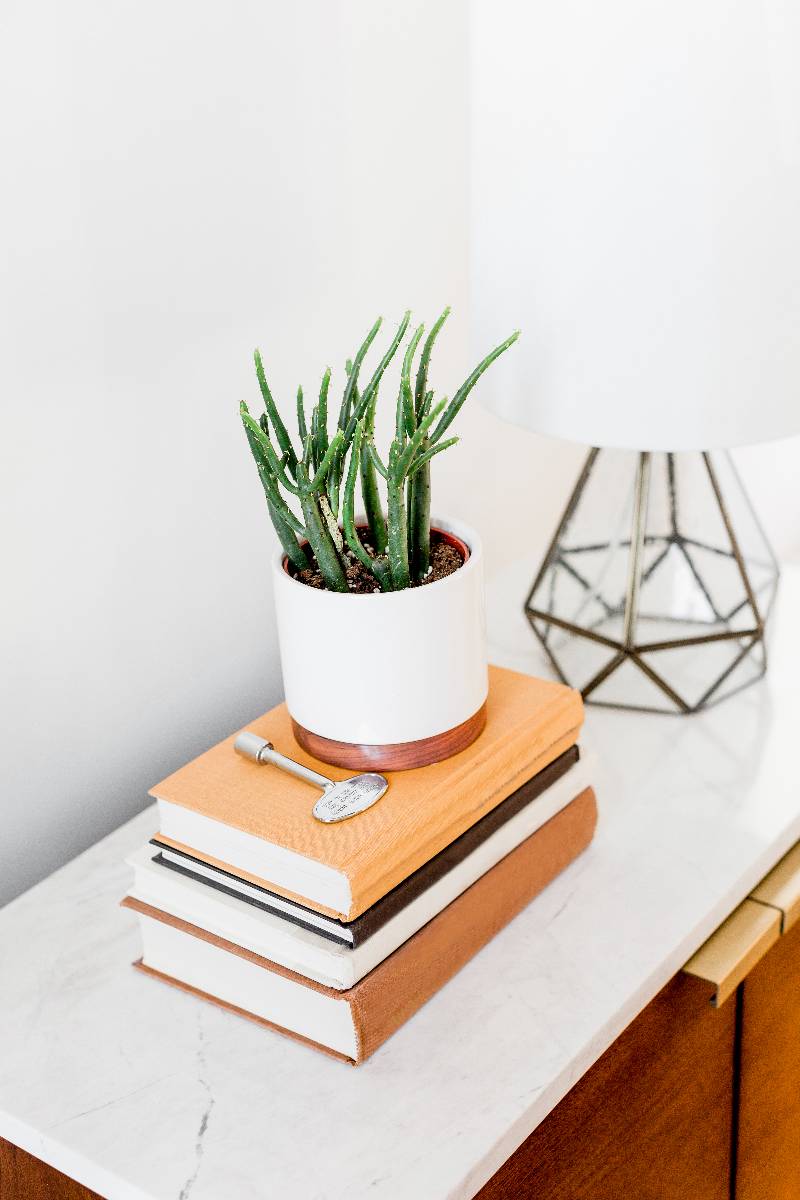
<point>650,1121</point>
<point>395,756</point>
<point>769,1108</point>
<point>23,1177</point>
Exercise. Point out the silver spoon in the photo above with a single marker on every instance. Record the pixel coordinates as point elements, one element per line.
<point>340,800</point>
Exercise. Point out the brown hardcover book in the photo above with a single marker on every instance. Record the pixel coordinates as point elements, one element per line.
<point>352,1024</point>
<point>256,821</point>
<point>355,933</point>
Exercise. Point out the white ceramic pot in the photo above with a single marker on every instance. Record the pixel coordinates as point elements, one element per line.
<point>393,679</point>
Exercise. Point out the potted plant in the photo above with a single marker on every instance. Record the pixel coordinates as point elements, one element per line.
<point>380,616</point>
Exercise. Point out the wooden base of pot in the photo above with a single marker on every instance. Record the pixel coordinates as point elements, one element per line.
<point>396,756</point>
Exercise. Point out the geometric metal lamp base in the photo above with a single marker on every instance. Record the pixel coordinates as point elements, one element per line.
<point>655,591</point>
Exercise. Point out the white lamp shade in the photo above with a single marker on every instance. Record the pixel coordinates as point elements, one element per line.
<point>636,211</point>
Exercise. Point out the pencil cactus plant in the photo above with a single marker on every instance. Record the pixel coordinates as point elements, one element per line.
<point>323,475</point>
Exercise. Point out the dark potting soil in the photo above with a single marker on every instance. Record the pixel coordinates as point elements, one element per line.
<point>445,559</point>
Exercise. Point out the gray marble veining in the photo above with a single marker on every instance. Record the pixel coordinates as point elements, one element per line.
<point>144,1093</point>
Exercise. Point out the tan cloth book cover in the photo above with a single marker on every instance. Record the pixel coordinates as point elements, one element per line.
<point>386,998</point>
<point>530,722</point>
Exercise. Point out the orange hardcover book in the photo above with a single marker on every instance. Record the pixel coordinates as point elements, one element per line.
<point>352,1024</point>
<point>256,821</point>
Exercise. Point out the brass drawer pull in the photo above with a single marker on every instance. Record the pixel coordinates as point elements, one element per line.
<point>734,949</point>
<point>781,888</point>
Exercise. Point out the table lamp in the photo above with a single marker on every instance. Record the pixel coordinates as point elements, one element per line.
<point>635,199</point>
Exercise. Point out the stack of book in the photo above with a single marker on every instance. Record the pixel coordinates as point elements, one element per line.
<point>336,934</point>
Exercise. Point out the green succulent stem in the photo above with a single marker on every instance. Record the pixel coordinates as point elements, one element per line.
<point>301,416</point>
<point>408,412</point>
<point>322,413</point>
<point>328,459</point>
<point>334,485</point>
<point>419,500</point>
<point>296,554</point>
<point>345,413</point>
<point>283,519</point>
<point>281,432</point>
<point>376,459</point>
<point>397,522</point>
<point>372,500</point>
<point>377,564</point>
<point>370,394</point>
<point>276,465</point>
<point>424,458</point>
<point>406,457</point>
<point>319,536</point>
<point>399,538</point>
<point>332,525</point>
<point>363,445</point>
<point>456,403</point>
<point>419,518</point>
<point>420,388</point>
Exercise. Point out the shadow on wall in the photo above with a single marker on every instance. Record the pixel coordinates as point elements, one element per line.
<point>160,232</point>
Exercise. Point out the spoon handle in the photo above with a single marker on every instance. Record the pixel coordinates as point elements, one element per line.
<point>252,746</point>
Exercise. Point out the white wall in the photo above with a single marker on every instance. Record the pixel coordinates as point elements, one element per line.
<point>187,180</point>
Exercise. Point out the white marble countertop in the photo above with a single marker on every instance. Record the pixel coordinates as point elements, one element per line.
<point>144,1093</point>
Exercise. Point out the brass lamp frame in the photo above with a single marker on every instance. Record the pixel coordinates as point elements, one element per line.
<point>628,648</point>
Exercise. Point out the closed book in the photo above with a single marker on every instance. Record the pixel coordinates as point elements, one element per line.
<point>352,1024</point>
<point>338,964</point>
<point>256,822</point>
<point>355,933</point>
